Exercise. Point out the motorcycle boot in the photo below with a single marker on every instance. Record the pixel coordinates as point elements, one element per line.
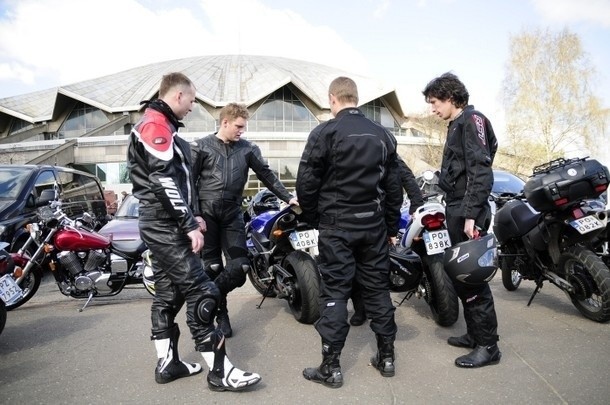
<point>329,372</point>
<point>467,339</point>
<point>222,318</point>
<point>223,375</point>
<point>384,359</point>
<point>359,316</point>
<point>169,365</point>
<point>480,356</point>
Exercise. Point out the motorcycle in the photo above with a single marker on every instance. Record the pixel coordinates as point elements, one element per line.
<point>544,233</point>
<point>281,250</point>
<point>9,290</point>
<point>416,264</point>
<point>84,263</point>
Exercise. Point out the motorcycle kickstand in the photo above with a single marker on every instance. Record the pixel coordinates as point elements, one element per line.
<point>86,303</point>
<point>267,291</point>
<point>536,290</point>
<point>406,297</point>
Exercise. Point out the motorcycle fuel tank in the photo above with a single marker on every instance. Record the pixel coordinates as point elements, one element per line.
<point>71,239</point>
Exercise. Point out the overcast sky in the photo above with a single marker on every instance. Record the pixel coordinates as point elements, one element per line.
<point>403,43</point>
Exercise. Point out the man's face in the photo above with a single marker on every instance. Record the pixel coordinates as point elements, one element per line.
<point>185,100</point>
<point>443,108</point>
<point>231,131</point>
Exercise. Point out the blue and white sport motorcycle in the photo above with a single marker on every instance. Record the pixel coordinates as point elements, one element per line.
<point>281,249</point>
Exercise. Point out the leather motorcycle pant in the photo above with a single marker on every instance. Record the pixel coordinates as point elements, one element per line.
<point>478,302</point>
<point>179,279</point>
<point>355,250</point>
<point>225,235</point>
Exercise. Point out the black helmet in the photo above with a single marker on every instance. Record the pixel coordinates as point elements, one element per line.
<point>263,201</point>
<point>473,262</point>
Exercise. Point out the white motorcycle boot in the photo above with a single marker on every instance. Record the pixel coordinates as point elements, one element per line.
<point>223,375</point>
<point>169,366</point>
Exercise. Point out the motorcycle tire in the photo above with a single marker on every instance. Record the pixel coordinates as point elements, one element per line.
<point>29,285</point>
<point>591,277</point>
<point>442,298</point>
<point>2,316</point>
<point>305,302</point>
<point>511,278</point>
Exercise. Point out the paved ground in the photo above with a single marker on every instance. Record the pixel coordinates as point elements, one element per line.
<point>52,354</point>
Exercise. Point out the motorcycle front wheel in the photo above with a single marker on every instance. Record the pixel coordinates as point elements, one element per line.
<point>304,301</point>
<point>511,278</point>
<point>441,295</point>
<point>591,280</point>
<point>29,285</point>
<point>2,316</point>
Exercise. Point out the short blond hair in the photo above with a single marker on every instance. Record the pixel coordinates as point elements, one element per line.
<point>344,89</point>
<point>232,111</point>
<point>171,80</point>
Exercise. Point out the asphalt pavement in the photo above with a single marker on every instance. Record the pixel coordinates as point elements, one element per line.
<point>52,354</point>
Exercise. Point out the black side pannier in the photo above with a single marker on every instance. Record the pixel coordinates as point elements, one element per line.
<point>560,183</point>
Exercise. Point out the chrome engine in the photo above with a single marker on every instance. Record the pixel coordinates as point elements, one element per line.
<point>86,270</point>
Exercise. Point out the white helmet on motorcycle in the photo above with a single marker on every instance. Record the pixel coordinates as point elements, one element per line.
<point>473,262</point>
<point>148,276</point>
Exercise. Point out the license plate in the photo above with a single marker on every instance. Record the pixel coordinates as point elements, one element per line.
<point>587,224</point>
<point>304,239</point>
<point>437,241</point>
<point>9,289</point>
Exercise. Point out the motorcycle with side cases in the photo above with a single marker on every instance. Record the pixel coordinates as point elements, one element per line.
<point>281,249</point>
<point>82,261</point>
<point>544,233</point>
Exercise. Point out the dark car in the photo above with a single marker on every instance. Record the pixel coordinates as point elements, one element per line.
<point>22,185</point>
<point>124,225</point>
<point>506,183</point>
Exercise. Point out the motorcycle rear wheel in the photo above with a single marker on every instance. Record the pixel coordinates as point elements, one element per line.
<point>258,284</point>
<point>442,298</point>
<point>592,278</point>
<point>305,302</point>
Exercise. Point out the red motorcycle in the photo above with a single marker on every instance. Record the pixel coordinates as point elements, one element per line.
<point>84,263</point>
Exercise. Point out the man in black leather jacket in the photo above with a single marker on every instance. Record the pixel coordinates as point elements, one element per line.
<point>160,171</point>
<point>348,186</point>
<point>221,162</point>
<point>467,177</point>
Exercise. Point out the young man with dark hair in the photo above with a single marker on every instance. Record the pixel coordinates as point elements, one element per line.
<point>466,177</point>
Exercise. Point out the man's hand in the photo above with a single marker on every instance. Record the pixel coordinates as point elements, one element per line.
<point>196,238</point>
<point>392,240</point>
<point>202,225</point>
<point>469,229</point>
<point>293,201</point>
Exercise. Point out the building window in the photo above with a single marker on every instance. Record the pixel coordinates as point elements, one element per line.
<point>282,111</point>
<point>20,126</point>
<point>81,120</point>
<point>199,120</point>
<point>378,112</point>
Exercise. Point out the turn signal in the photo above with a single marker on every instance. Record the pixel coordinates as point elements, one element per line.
<point>277,233</point>
<point>18,272</point>
<point>48,248</point>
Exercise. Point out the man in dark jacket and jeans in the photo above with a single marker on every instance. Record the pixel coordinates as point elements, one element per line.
<point>160,170</point>
<point>348,183</point>
<point>467,177</point>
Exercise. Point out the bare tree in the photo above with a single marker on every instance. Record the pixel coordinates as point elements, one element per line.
<point>548,98</point>
<point>435,130</point>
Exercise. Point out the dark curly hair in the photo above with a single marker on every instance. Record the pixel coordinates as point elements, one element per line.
<point>447,87</point>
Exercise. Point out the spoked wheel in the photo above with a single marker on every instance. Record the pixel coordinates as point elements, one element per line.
<point>440,293</point>
<point>29,285</point>
<point>590,278</point>
<point>304,301</point>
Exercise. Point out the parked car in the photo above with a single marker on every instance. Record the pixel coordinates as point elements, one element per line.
<point>124,225</point>
<point>505,184</point>
<point>20,189</point>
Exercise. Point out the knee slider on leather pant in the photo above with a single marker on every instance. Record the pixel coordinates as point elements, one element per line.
<point>205,310</point>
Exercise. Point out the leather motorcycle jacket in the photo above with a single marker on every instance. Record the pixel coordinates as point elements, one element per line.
<point>466,171</point>
<point>349,170</point>
<point>166,190</point>
<point>409,184</point>
<point>222,169</point>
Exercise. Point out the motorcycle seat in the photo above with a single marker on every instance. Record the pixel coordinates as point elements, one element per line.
<point>129,249</point>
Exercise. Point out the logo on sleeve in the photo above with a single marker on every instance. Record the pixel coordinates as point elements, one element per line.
<point>479,123</point>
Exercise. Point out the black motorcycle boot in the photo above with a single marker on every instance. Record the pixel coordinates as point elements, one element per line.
<point>466,340</point>
<point>222,318</point>
<point>329,372</point>
<point>480,356</point>
<point>384,359</point>
<point>359,316</point>
<point>169,365</point>
<point>223,375</point>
